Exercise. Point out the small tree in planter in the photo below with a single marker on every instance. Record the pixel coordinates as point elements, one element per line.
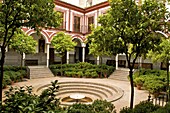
<point>139,81</point>
<point>23,43</point>
<point>161,53</point>
<point>61,43</point>
<point>154,86</point>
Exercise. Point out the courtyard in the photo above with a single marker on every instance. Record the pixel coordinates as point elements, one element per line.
<point>122,101</point>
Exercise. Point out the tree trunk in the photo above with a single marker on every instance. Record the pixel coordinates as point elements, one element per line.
<point>167,87</point>
<point>1,70</point>
<point>132,88</point>
<point>62,64</point>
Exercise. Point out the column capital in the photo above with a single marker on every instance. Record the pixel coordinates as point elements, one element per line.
<point>83,45</point>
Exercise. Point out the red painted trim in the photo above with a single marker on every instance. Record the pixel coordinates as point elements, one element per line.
<point>82,10</point>
<point>79,37</point>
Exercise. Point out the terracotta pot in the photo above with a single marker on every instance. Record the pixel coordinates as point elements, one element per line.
<point>139,86</point>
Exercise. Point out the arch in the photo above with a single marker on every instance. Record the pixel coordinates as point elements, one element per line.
<point>79,38</point>
<point>31,31</point>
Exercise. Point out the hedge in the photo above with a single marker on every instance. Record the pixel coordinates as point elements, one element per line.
<point>13,74</point>
<point>82,69</point>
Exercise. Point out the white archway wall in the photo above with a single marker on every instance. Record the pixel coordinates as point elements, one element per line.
<point>41,33</point>
<point>81,41</point>
<point>36,37</point>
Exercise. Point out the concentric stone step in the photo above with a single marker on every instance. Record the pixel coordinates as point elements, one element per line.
<point>88,89</point>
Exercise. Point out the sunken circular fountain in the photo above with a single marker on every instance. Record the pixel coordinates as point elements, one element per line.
<point>76,98</point>
<point>71,92</point>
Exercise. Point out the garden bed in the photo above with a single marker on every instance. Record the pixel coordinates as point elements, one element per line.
<point>82,69</point>
<point>13,74</point>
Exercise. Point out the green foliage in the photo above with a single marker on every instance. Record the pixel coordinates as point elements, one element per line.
<point>130,29</point>
<point>62,42</point>
<point>152,80</point>
<point>165,109</point>
<point>161,52</point>
<point>15,14</point>
<point>82,69</point>
<point>145,107</point>
<point>13,74</point>
<point>23,43</point>
<point>139,80</point>
<point>102,106</point>
<point>98,106</point>
<point>22,100</point>
<point>80,108</point>
<point>126,110</point>
<point>154,86</point>
<point>142,107</point>
<point>99,42</point>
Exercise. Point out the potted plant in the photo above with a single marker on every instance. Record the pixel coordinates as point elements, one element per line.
<point>80,74</point>
<point>139,81</point>
<point>154,86</point>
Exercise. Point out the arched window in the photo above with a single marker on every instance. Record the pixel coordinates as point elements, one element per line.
<point>41,44</point>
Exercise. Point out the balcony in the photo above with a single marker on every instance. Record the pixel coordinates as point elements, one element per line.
<point>81,29</point>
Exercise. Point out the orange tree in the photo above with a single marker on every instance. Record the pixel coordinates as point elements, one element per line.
<point>130,29</point>
<point>15,14</point>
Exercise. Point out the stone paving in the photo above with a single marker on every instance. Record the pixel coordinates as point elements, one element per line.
<point>124,85</point>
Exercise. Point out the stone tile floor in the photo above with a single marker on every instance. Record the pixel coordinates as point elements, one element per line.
<point>140,95</point>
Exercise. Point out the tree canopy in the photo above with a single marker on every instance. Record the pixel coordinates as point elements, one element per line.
<point>23,44</point>
<point>62,42</point>
<point>162,54</point>
<point>131,29</point>
<point>15,14</point>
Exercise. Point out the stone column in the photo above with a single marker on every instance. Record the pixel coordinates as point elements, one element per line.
<point>83,52</point>
<point>140,62</point>
<point>68,57</point>
<point>48,53</point>
<point>23,60</point>
<point>98,60</point>
<point>116,61</point>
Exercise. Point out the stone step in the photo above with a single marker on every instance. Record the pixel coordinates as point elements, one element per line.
<point>96,93</point>
<point>39,72</point>
<point>120,74</point>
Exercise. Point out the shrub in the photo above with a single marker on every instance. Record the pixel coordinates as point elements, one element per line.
<point>80,108</point>
<point>88,70</point>
<point>145,107</point>
<point>139,80</point>
<point>87,74</point>
<point>154,86</point>
<point>94,74</point>
<point>55,71</point>
<point>80,73</point>
<point>22,100</point>
<point>102,106</point>
<point>6,79</point>
<point>126,110</point>
<point>153,80</point>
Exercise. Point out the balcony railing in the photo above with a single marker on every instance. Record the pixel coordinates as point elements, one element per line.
<point>81,28</point>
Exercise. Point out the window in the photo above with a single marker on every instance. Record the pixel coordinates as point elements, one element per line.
<point>41,45</point>
<point>76,24</point>
<point>90,21</point>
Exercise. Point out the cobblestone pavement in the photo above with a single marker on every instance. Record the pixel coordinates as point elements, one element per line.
<point>124,85</point>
